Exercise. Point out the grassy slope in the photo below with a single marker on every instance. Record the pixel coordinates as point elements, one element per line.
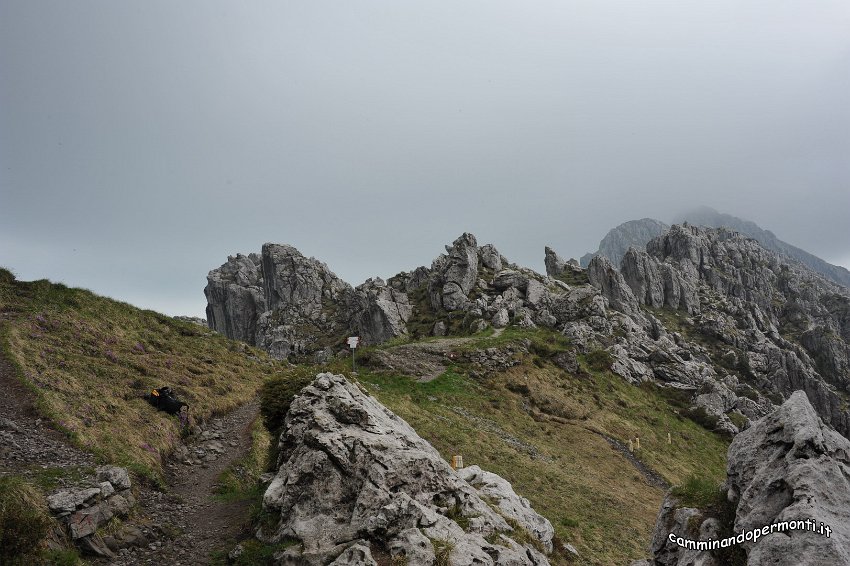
<point>594,497</point>
<point>90,359</point>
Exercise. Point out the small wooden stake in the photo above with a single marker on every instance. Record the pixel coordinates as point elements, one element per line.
<point>631,446</point>
<point>457,462</point>
<point>669,439</point>
<point>637,442</point>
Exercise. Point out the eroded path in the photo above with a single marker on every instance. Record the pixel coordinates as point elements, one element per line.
<point>188,523</point>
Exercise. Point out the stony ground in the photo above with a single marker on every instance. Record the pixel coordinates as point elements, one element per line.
<point>425,360</point>
<point>187,523</point>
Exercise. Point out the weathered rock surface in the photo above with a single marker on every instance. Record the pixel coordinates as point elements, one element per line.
<point>381,312</point>
<point>83,510</point>
<point>706,216</point>
<point>555,264</point>
<point>704,310</point>
<point>350,470</point>
<point>788,466</point>
<point>634,233</point>
<point>453,275</point>
<point>289,304</point>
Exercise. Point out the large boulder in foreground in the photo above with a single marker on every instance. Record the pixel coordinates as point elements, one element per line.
<point>788,466</point>
<point>353,474</point>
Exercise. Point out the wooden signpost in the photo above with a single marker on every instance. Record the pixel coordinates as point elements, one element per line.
<point>353,342</point>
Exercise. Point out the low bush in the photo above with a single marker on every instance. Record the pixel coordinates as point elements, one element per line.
<point>277,393</point>
<point>599,360</point>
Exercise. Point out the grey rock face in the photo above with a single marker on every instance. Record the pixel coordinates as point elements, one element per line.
<point>634,233</point>
<point>381,312</point>
<point>680,520</point>
<point>350,469</point>
<point>511,505</point>
<point>490,257</point>
<point>453,276</point>
<point>604,277</point>
<point>790,466</point>
<point>118,477</point>
<point>705,216</point>
<point>235,297</point>
<point>555,264</point>
<point>286,303</point>
<point>68,500</point>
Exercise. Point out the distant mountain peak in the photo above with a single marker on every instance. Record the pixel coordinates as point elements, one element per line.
<point>637,233</point>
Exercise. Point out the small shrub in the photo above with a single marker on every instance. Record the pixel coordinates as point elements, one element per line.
<point>276,395</point>
<point>24,521</point>
<point>700,416</point>
<point>599,360</point>
<point>256,553</point>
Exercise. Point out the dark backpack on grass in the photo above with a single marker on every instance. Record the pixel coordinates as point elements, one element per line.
<point>164,400</point>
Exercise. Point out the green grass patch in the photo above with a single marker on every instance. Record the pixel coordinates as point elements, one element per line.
<point>89,360</point>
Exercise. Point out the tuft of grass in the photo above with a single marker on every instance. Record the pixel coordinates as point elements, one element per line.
<point>89,360</point>
<point>442,551</point>
<point>24,522</point>
<point>699,491</point>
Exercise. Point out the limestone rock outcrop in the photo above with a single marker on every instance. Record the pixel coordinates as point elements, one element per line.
<point>706,216</point>
<point>83,510</point>
<point>353,475</point>
<point>380,312</point>
<point>788,466</point>
<point>703,310</point>
<point>791,466</point>
<point>555,264</point>
<point>454,275</point>
<point>287,303</point>
<point>634,233</point>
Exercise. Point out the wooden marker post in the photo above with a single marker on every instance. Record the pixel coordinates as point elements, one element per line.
<point>669,439</point>
<point>637,443</point>
<point>457,462</point>
<point>631,446</point>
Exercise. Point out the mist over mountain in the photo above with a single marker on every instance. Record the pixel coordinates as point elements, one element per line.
<point>638,233</point>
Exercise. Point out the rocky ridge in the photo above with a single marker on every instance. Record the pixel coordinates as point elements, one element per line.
<point>705,311</point>
<point>638,233</point>
<point>631,234</point>
<point>708,217</point>
<point>789,466</point>
<point>356,482</point>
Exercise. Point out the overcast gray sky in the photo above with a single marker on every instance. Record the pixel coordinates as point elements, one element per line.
<point>143,142</point>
